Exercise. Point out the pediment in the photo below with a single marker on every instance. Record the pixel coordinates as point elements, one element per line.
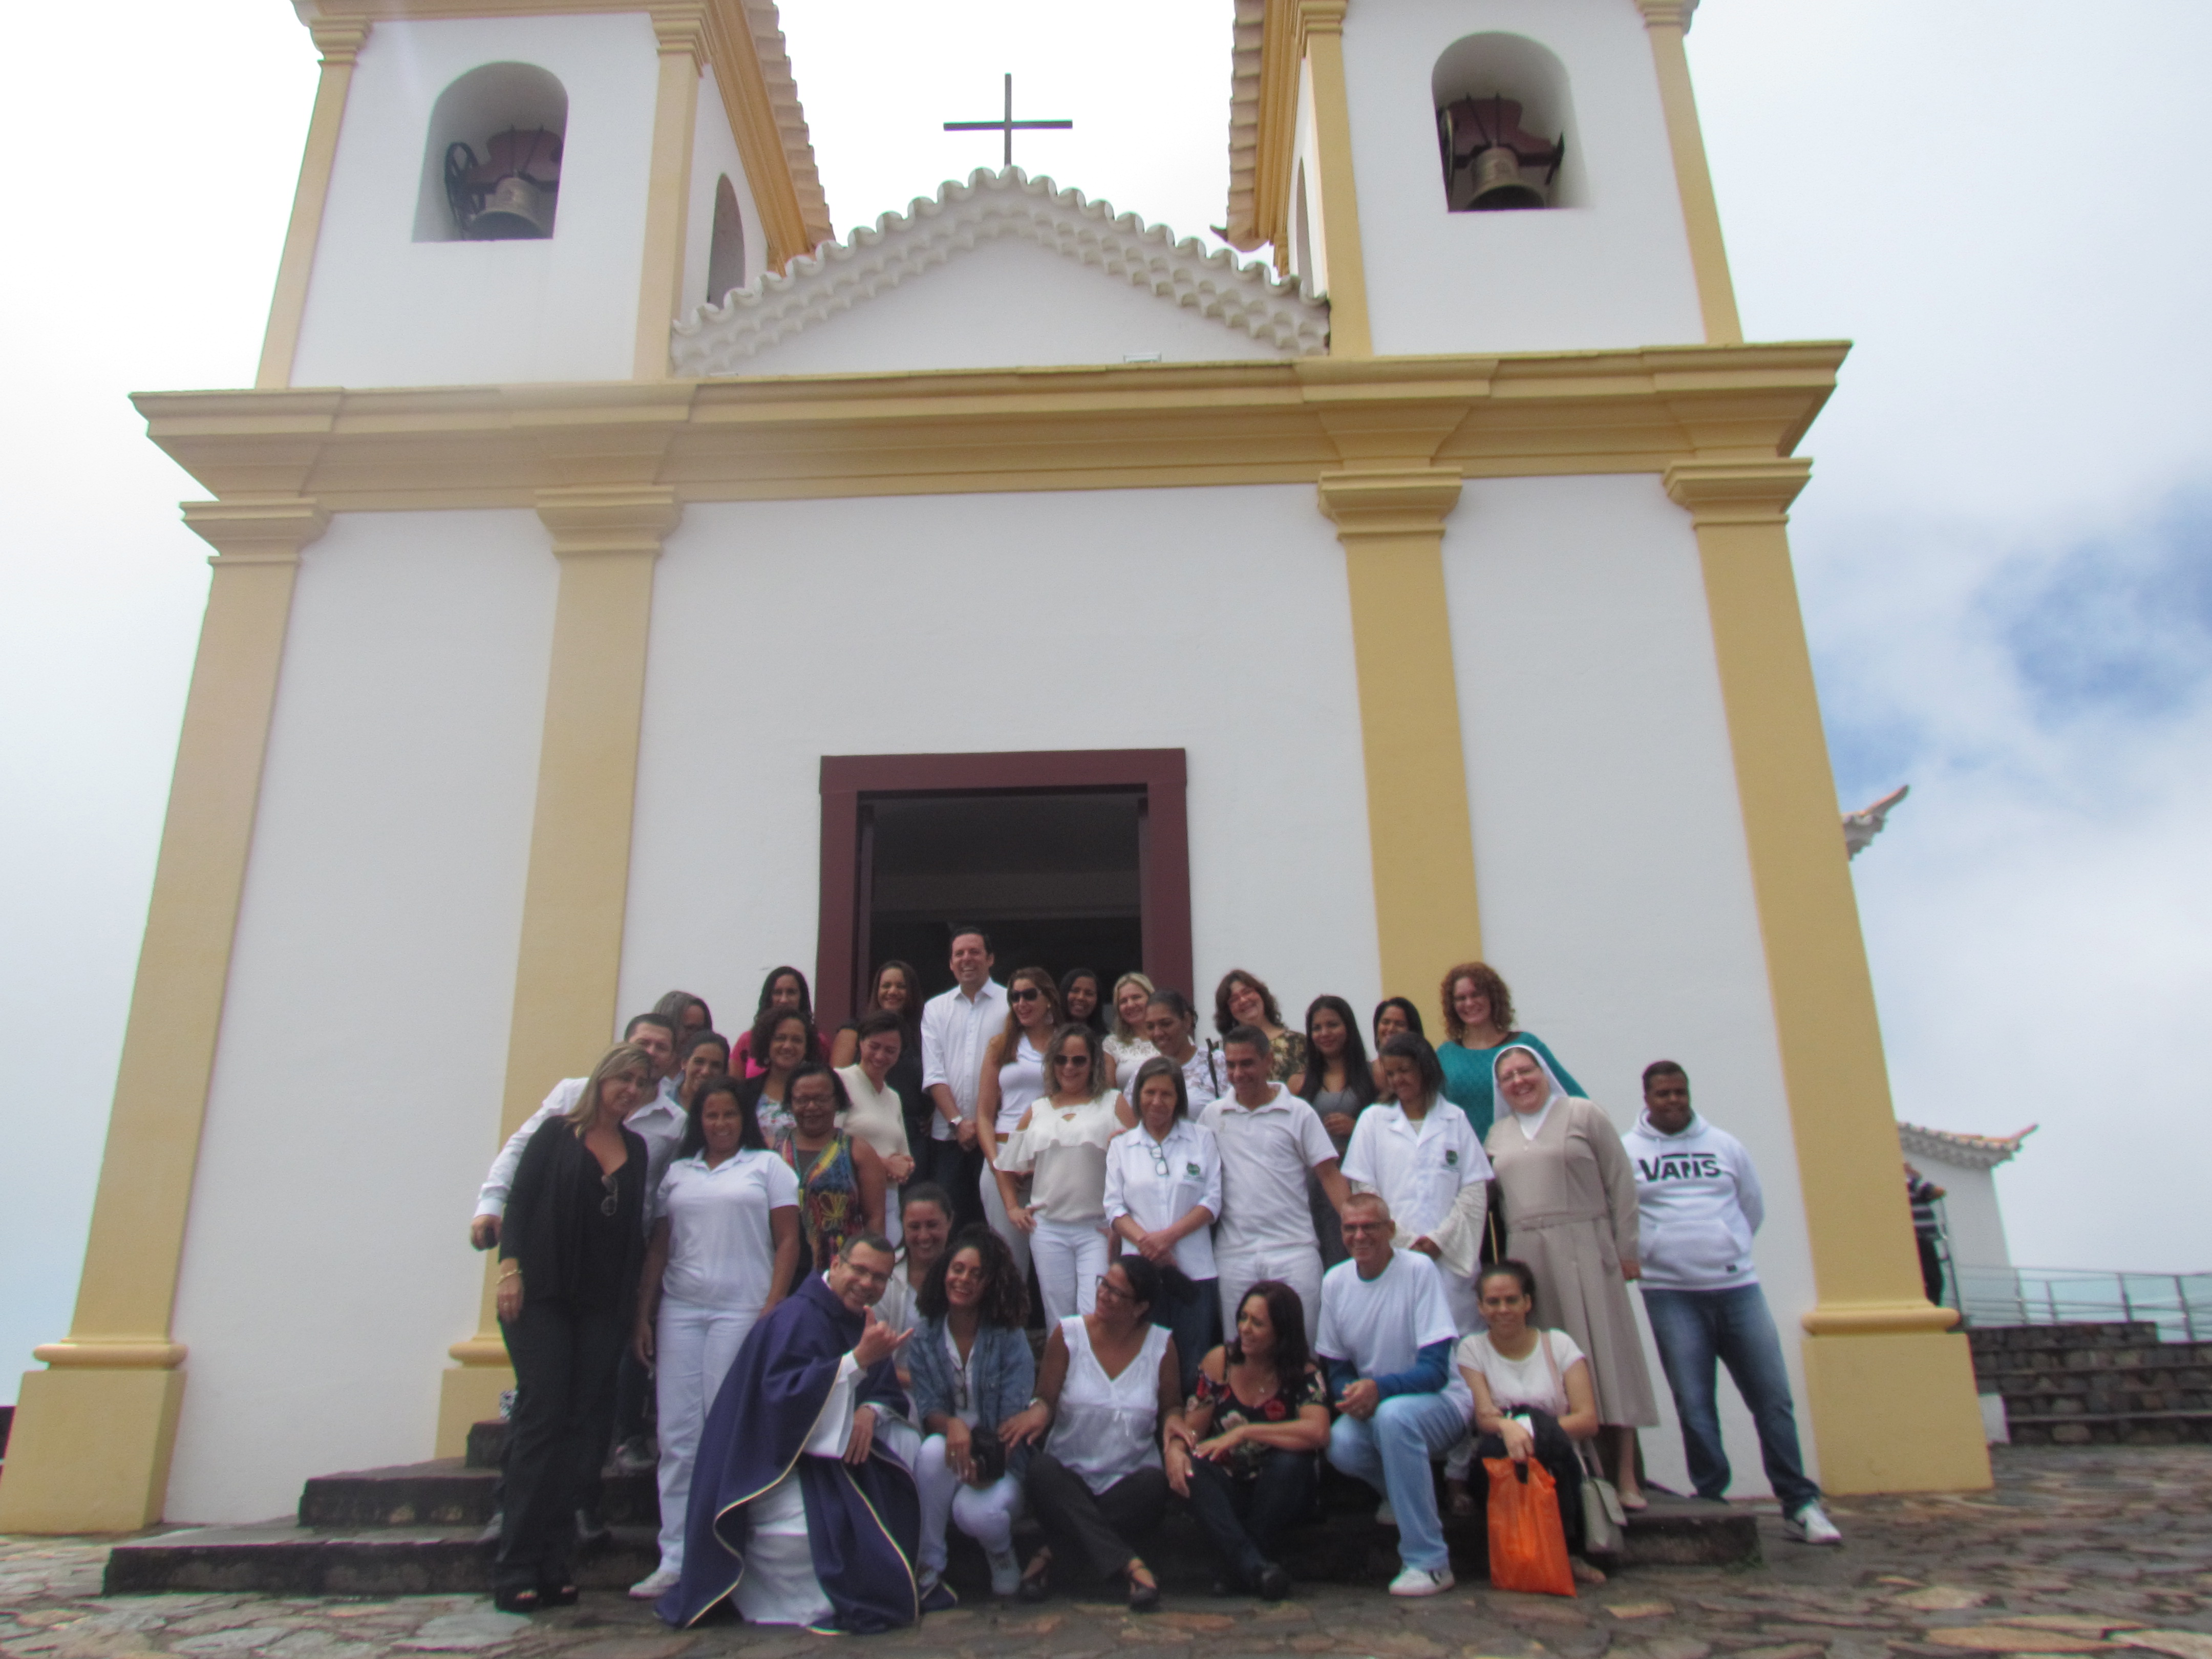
<point>1003,271</point>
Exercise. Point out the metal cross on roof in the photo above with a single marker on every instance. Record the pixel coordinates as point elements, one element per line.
<point>1006,124</point>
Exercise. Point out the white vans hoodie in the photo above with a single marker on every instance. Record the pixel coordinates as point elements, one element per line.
<point>1701,1204</point>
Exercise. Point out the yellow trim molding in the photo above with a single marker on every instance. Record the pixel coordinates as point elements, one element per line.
<point>1321,47</point>
<point>607,539</point>
<point>1263,113</point>
<point>1872,1340</point>
<point>1421,846</point>
<point>681,31</point>
<point>340,42</point>
<point>91,1444</point>
<point>1666,21</point>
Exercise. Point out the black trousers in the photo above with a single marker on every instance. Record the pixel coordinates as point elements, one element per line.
<point>564,1368</point>
<point>1245,1518</point>
<point>959,1170</point>
<point>1559,1458</point>
<point>1094,1535</point>
<point>1931,1269</point>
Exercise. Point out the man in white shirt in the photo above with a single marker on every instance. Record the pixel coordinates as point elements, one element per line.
<point>956,1027</point>
<point>1269,1138</point>
<point>1699,1196</point>
<point>1386,1344</point>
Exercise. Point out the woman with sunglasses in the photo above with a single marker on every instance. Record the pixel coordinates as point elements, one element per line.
<point>1060,1142</point>
<point>1162,1193</point>
<point>1013,1076</point>
<point>571,1249</point>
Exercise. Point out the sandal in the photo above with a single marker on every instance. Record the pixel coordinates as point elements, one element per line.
<point>524,1600</point>
<point>1458,1499</point>
<point>1583,1572</point>
<point>560,1596</point>
<point>1036,1577</point>
<point>1144,1597</point>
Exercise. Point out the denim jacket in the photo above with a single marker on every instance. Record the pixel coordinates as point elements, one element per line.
<point>1005,1378</point>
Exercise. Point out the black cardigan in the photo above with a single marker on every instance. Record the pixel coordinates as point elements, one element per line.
<point>543,1230</point>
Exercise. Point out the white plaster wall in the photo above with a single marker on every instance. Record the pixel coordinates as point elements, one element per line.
<point>356,1098</point>
<point>1006,303</point>
<point>386,310</point>
<point>1213,620</point>
<point>1609,847</point>
<point>714,154</point>
<point>1973,1222</point>
<point>1614,273</point>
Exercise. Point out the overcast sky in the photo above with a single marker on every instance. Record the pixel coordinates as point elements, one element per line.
<point>2006,552</point>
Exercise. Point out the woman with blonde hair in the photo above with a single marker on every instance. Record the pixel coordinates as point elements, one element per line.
<point>1477,1027</point>
<point>1127,1046</point>
<point>1060,1143</point>
<point>570,1249</point>
<point>1013,1076</point>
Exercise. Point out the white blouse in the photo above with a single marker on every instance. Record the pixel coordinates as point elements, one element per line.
<point>721,1251</point>
<point>1106,1428</point>
<point>1019,1082</point>
<point>877,1116</point>
<point>1155,1183</point>
<point>1066,1145</point>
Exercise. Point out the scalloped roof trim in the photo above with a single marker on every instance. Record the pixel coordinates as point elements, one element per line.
<point>1249,297</point>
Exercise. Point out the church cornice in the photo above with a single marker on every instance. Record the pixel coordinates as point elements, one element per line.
<point>719,340</point>
<point>1119,426</point>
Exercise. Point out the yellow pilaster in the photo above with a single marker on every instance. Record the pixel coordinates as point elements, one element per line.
<point>1890,1386</point>
<point>1666,21</point>
<point>340,41</point>
<point>682,31</point>
<point>1320,45</point>
<point>1391,525</point>
<point>93,1434</point>
<point>607,538</point>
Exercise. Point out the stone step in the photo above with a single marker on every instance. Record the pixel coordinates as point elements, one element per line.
<point>2166,1356</point>
<point>446,1492</point>
<point>2145,1428</point>
<point>1347,1548</point>
<point>2112,1333</point>
<point>2105,1402</point>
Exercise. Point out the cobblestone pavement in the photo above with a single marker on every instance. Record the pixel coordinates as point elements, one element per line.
<point>2077,1552</point>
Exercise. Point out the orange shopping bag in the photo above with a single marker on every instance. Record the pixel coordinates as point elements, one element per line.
<point>1528,1546</point>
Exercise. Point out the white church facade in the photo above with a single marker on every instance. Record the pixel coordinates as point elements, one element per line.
<point>1426,597</point>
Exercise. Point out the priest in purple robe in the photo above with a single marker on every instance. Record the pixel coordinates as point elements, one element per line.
<point>804,1510</point>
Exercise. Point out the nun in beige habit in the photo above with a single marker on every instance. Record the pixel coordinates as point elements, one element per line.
<point>1569,1194</point>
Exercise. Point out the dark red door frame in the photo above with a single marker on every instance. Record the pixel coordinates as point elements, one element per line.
<point>1164,832</point>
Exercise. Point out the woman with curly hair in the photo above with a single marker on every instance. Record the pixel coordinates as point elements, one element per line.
<point>1243,998</point>
<point>1477,1027</point>
<point>972,1373</point>
<point>785,990</point>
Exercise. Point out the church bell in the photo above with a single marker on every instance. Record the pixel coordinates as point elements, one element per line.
<point>1499,184</point>
<point>514,211</point>
<point>509,196</point>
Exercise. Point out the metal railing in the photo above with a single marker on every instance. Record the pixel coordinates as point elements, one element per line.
<point>2180,1304</point>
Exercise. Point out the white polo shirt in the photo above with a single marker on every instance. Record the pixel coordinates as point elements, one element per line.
<point>1382,1324</point>
<point>721,1252</point>
<point>1156,1183</point>
<point>1418,1168</point>
<point>955,1029</point>
<point>1266,1151</point>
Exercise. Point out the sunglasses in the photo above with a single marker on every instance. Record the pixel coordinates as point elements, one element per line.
<point>1027,994</point>
<point>611,1197</point>
<point>1083,1060</point>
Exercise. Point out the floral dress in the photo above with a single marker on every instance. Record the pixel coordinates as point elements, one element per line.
<point>1287,1055</point>
<point>1292,1395</point>
<point>829,1198</point>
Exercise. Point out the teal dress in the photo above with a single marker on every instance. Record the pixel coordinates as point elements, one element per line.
<point>1470,1085</point>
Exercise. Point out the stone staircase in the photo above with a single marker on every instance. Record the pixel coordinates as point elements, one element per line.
<point>2106,1384</point>
<point>413,1529</point>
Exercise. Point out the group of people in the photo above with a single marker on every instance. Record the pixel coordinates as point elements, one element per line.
<point>1253,1249</point>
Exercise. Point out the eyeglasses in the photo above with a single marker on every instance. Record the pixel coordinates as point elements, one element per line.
<point>1351,1227</point>
<point>1026,993</point>
<point>610,1200</point>
<point>1107,1289</point>
<point>1161,1167</point>
<point>1083,1060</point>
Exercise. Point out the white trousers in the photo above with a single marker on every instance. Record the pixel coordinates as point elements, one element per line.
<point>1298,1266</point>
<point>995,1213</point>
<point>1070,1256</point>
<point>985,1513</point>
<point>1467,1313</point>
<point>693,1347</point>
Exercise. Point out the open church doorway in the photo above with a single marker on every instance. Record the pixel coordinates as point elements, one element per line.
<point>1068,858</point>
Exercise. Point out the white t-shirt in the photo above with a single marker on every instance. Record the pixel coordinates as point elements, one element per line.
<point>721,1253</point>
<point>1382,1324</point>
<point>1266,1151</point>
<point>1518,1382</point>
<point>1418,1168</point>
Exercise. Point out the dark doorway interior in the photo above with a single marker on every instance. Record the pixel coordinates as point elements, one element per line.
<point>1055,875</point>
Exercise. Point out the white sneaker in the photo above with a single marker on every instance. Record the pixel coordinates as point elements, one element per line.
<point>1811,1525</point>
<point>639,1455</point>
<point>1384,1514</point>
<point>1005,1573</point>
<point>662,1581</point>
<point>1420,1581</point>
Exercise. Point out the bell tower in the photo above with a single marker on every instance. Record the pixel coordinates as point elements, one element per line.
<point>497,194</point>
<point>1481,175</point>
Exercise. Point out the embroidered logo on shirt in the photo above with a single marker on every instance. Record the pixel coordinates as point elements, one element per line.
<point>1452,1156</point>
<point>1191,1170</point>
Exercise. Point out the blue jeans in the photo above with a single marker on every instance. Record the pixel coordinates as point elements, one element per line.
<point>1695,1327</point>
<point>1391,1452</point>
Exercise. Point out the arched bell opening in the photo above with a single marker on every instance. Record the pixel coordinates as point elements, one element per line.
<point>726,248</point>
<point>1506,126</point>
<point>491,159</point>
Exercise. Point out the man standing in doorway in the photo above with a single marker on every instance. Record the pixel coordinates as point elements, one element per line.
<point>1699,1199</point>
<point>956,1027</point>
<point>1269,1137</point>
